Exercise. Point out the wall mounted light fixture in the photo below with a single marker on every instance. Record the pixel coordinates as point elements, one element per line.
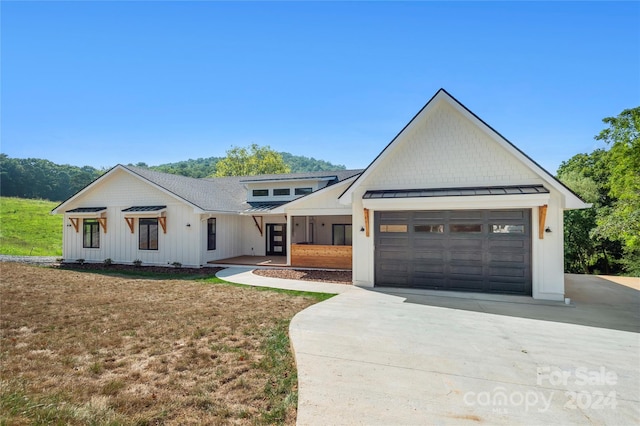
<point>188,225</point>
<point>547,230</point>
<point>362,229</point>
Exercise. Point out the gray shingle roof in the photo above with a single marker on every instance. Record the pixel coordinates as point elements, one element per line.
<point>226,194</point>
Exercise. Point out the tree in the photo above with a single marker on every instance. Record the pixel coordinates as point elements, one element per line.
<point>585,252</point>
<point>253,161</point>
<point>622,219</point>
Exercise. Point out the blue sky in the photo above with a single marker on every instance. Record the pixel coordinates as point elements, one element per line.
<point>101,83</point>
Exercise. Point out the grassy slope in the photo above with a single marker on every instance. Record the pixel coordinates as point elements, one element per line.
<point>28,228</point>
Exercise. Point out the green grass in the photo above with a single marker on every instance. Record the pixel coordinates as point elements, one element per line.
<point>28,229</point>
<point>148,275</point>
<point>281,388</point>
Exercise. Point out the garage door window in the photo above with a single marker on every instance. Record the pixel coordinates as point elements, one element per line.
<point>429,228</point>
<point>393,228</point>
<point>507,229</point>
<point>465,228</point>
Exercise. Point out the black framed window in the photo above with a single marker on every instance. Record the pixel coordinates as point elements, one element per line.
<point>90,233</point>
<point>342,234</point>
<point>282,191</point>
<point>211,233</point>
<point>148,234</point>
<point>260,192</point>
<point>303,191</point>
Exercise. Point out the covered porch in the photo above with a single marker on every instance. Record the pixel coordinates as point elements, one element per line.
<point>321,241</point>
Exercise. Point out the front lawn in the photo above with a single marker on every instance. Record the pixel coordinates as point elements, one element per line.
<point>86,348</point>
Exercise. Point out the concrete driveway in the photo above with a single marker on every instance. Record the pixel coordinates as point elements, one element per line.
<point>381,357</point>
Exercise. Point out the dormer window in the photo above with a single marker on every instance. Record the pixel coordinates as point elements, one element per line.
<point>260,192</point>
<point>303,191</point>
<point>282,191</point>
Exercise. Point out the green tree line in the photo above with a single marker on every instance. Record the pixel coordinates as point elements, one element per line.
<point>606,237</point>
<point>42,179</point>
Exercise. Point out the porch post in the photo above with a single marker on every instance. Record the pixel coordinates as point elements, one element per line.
<point>288,218</point>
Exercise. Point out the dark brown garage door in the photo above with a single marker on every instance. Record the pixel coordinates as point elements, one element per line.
<point>464,250</point>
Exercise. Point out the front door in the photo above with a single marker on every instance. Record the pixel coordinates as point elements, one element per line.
<point>276,239</point>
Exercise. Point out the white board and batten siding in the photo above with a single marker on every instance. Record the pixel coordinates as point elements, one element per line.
<point>229,228</point>
<point>121,191</point>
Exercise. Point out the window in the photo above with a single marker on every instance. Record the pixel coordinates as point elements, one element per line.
<point>429,228</point>
<point>465,228</point>
<point>507,229</point>
<point>260,192</point>
<point>303,191</point>
<point>211,234</point>
<point>90,233</point>
<point>393,228</point>
<point>282,191</point>
<point>148,235</point>
<point>342,235</point>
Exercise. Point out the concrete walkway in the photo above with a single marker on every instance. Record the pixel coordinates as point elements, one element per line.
<point>367,357</point>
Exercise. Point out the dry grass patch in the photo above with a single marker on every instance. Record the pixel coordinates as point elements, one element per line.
<point>81,348</point>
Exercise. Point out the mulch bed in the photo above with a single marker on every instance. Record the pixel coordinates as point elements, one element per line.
<point>150,269</point>
<point>336,277</point>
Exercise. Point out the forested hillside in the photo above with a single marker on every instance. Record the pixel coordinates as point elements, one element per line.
<point>43,179</point>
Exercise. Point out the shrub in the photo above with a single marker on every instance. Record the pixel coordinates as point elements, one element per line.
<point>108,261</point>
<point>137,262</point>
<point>80,261</point>
<point>177,265</point>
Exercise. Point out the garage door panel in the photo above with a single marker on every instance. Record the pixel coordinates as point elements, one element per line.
<point>507,272</point>
<point>429,255</point>
<point>518,215</point>
<point>420,216</point>
<point>466,250</point>
<point>390,217</point>
<point>396,255</point>
<point>429,243</point>
<point>430,283</point>
<point>474,270</point>
<point>507,287</point>
<point>466,284</point>
<point>457,215</point>
<point>466,244</point>
<point>429,270</point>
<point>466,255</point>
<point>389,243</point>
<point>506,258</point>
<point>507,244</point>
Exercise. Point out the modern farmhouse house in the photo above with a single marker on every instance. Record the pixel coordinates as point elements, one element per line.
<point>448,204</point>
